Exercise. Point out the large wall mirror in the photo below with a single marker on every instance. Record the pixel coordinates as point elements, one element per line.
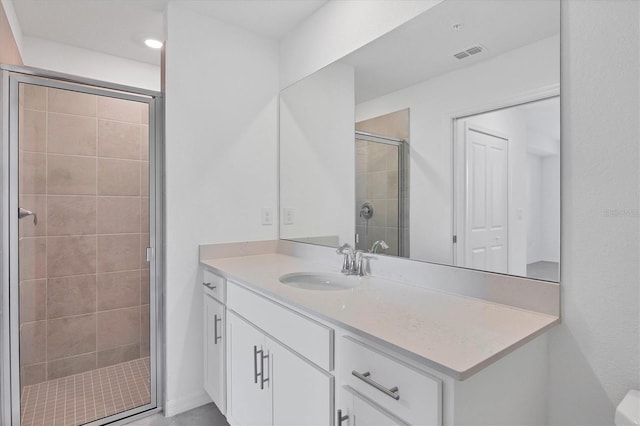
<point>439,142</point>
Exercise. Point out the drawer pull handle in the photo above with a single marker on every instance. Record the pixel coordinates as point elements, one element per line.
<point>255,364</point>
<point>259,353</point>
<point>393,392</point>
<point>342,418</point>
<point>216,337</point>
<point>209,286</point>
<point>263,356</point>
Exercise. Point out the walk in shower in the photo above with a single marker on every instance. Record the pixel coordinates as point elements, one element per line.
<point>81,231</point>
<point>382,184</point>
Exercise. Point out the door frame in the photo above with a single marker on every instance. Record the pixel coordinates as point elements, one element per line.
<point>457,151</point>
<point>12,76</point>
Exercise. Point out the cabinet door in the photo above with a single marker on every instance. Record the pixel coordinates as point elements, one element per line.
<point>367,414</point>
<point>359,411</point>
<point>248,402</point>
<point>214,353</point>
<point>302,393</point>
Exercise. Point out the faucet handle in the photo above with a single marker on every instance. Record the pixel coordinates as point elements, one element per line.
<point>345,247</point>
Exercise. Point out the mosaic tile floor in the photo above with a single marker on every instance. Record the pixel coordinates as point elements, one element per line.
<point>84,397</point>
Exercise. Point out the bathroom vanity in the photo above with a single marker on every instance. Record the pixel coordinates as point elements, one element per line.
<point>433,132</point>
<point>381,352</point>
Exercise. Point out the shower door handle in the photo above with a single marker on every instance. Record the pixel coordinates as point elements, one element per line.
<point>22,213</point>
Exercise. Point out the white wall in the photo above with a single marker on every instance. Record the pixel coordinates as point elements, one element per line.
<point>317,155</point>
<point>551,202</point>
<point>221,169</point>
<point>595,353</point>
<point>337,29</point>
<point>49,55</point>
<point>534,216</point>
<point>433,104</point>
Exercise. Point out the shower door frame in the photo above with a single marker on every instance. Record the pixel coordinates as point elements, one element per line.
<point>12,76</point>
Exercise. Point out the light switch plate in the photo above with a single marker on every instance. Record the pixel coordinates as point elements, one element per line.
<point>267,216</point>
<point>287,216</point>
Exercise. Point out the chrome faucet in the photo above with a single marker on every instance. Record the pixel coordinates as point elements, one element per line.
<point>379,243</point>
<point>349,257</point>
<point>353,261</point>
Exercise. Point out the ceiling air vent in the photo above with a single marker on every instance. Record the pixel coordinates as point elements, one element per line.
<point>468,52</point>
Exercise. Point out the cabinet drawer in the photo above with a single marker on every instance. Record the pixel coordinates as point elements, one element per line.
<point>214,285</point>
<point>417,398</point>
<point>305,336</point>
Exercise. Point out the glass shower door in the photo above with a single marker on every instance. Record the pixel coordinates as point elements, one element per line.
<point>85,350</point>
<point>379,195</point>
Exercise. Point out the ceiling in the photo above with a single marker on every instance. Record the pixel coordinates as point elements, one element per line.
<point>119,27</point>
<point>424,47</point>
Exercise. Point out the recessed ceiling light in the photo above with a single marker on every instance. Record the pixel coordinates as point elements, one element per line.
<point>153,43</point>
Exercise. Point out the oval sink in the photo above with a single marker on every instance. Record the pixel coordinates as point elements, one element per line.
<point>323,281</point>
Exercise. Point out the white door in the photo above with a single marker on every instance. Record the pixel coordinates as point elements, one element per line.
<point>214,366</point>
<point>486,240</point>
<point>302,393</point>
<point>249,393</point>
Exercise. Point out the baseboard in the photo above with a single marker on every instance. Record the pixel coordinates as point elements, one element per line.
<point>186,403</point>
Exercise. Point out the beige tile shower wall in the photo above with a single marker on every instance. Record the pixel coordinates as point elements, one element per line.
<point>84,293</point>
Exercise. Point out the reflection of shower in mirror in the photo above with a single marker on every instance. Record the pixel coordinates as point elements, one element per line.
<point>381,194</point>
<point>366,210</point>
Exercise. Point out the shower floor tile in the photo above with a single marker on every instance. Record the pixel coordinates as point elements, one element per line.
<point>85,397</point>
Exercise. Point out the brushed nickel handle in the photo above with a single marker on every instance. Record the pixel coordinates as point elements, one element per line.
<point>22,213</point>
<point>263,380</point>
<point>255,364</point>
<point>392,393</point>
<point>216,320</point>
<point>342,418</point>
<point>209,286</point>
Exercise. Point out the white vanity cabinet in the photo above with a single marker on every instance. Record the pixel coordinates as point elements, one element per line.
<point>269,383</point>
<point>214,339</point>
<point>286,365</point>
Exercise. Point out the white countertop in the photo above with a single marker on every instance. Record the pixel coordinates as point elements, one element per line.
<point>453,334</point>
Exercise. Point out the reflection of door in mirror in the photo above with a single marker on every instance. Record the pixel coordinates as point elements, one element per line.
<point>486,225</point>
<point>382,196</point>
<point>508,192</point>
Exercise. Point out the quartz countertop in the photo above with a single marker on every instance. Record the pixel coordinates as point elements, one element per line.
<point>453,334</point>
